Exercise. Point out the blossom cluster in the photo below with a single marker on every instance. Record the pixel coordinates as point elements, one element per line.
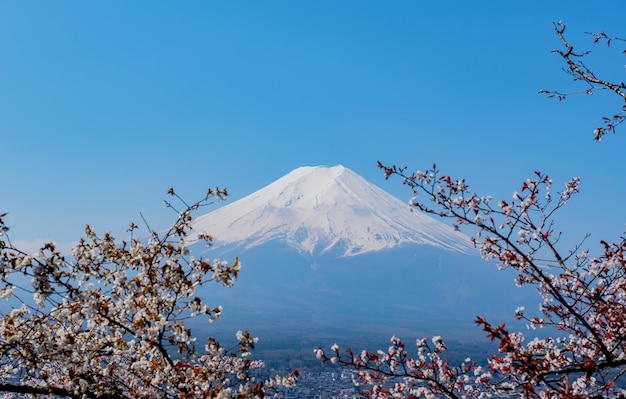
<point>109,320</point>
<point>426,374</point>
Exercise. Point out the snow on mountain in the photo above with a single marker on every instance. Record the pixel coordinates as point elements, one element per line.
<point>321,209</point>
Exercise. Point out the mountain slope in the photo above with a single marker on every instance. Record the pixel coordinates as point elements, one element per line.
<point>298,239</point>
<point>317,210</point>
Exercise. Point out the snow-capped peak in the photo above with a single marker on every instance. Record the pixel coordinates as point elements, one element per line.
<point>316,209</point>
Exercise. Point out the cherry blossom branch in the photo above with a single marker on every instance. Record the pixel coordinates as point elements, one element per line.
<point>426,374</point>
<point>583,297</point>
<point>580,72</point>
<point>109,321</point>
<point>511,253</point>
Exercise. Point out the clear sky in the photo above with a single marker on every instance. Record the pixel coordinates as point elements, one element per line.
<point>104,105</point>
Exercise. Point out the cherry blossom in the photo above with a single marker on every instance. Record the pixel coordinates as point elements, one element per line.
<point>583,301</point>
<point>109,320</point>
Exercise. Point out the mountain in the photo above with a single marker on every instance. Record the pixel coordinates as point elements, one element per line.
<point>322,248</point>
<point>317,210</point>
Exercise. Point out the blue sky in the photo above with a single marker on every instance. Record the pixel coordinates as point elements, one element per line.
<point>104,105</point>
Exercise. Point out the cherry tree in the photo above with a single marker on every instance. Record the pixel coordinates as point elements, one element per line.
<point>580,72</point>
<point>584,301</point>
<point>583,297</point>
<point>108,321</point>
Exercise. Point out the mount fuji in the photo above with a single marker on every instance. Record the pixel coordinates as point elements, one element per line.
<point>319,210</point>
<point>323,248</point>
